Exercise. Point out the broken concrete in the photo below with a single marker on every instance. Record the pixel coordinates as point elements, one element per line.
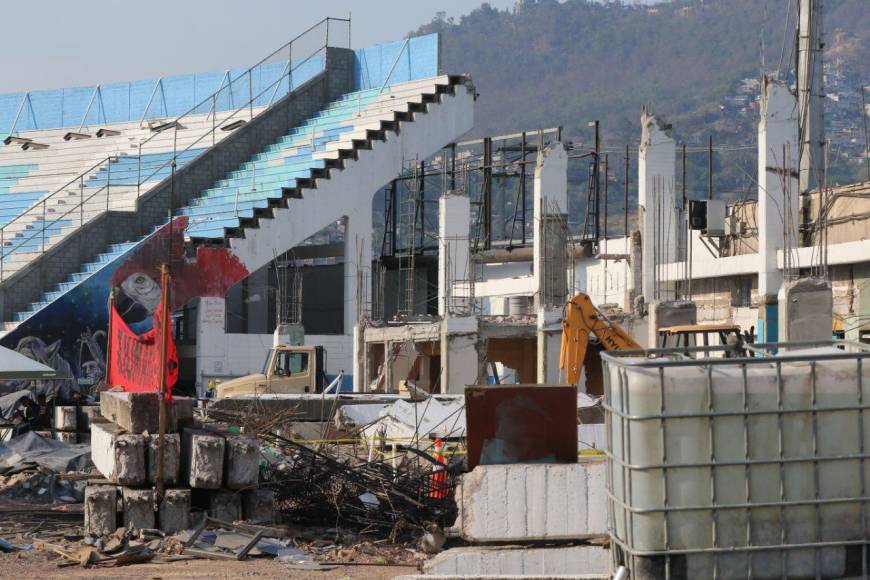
<point>225,506</point>
<point>505,561</point>
<point>171,458</point>
<point>259,506</point>
<point>175,511</point>
<point>65,418</point>
<point>119,456</point>
<point>306,407</point>
<point>140,412</point>
<point>533,502</point>
<point>202,460</point>
<point>242,461</point>
<point>66,437</point>
<point>101,509</point>
<point>138,508</point>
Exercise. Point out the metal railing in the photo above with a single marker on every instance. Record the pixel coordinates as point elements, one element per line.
<point>39,227</point>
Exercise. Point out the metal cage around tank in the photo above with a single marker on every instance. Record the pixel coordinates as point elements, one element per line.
<point>748,464</point>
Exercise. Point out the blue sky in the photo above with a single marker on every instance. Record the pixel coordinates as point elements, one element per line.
<point>84,42</point>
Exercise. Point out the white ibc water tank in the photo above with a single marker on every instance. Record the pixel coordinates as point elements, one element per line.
<point>711,456</point>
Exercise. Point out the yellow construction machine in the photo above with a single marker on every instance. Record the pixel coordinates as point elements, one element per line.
<point>579,351</point>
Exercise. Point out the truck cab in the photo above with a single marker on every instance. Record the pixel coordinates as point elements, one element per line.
<point>287,370</point>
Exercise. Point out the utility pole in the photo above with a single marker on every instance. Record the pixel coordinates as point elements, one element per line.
<point>811,99</point>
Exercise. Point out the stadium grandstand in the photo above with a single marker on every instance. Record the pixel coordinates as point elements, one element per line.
<point>254,161</point>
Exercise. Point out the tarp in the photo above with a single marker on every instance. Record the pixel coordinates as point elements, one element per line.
<point>57,456</point>
<point>12,402</point>
<point>16,366</point>
<point>135,359</point>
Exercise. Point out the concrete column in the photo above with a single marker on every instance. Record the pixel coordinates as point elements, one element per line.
<point>550,205</point>
<point>454,215</point>
<point>211,343</point>
<point>550,200</point>
<point>657,200</point>
<point>461,362</point>
<point>777,182</point>
<point>777,170</point>
<point>357,260</point>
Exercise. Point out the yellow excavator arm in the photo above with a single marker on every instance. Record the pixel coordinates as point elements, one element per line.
<point>582,318</point>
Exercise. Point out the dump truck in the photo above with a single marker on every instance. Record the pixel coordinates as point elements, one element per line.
<point>288,369</point>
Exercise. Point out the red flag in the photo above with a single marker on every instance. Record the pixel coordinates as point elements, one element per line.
<point>135,359</point>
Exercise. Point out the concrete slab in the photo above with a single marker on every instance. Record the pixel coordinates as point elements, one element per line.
<point>175,511</point>
<point>505,561</point>
<point>202,459</point>
<point>101,509</point>
<point>525,502</point>
<point>259,506</point>
<point>307,407</point>
<point>65,418</point>
<point>139,412</point>
<point>138,508</point>
<point>225,505</point>
<point>242,461</point>
<point>171,458</point>
<point>119,456</point>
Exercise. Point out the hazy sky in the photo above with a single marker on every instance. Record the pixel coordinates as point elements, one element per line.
<point>63,43</point>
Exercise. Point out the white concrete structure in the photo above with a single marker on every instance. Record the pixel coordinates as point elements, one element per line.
<point>454,265</point>
<point>549,266</point>
<point>520,562</point>
<point>525,502</point>
<point>777,183</point>
<point>657,201</point>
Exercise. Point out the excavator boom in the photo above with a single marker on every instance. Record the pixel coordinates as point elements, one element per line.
<point>582,318</point>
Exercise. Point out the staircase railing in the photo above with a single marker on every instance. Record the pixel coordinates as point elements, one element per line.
<point>32,233</point>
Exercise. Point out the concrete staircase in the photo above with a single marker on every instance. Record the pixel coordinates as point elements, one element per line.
<point>325,167</point>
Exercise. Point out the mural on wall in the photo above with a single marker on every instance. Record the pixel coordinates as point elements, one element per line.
<point>70,333</point>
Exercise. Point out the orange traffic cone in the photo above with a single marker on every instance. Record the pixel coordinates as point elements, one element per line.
<point>439,473</point>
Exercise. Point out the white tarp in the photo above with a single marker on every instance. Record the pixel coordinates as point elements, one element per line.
<point>16,366</point>
<point>404,419</point>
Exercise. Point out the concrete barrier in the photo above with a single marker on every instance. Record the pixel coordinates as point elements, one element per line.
<point>533,502</point>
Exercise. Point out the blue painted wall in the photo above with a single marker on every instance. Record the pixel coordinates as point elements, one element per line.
<point>176,95</point>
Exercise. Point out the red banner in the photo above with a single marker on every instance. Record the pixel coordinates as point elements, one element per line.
<point>134,360</point>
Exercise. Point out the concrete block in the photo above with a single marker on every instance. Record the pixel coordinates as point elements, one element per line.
<point>259,506</point>
<point>171,458</point>
<point>525,502</point>
<point>101,509</point>
<point>65,418</point>
<point>506,561</point>
<point>140,412</point>
<point>225,505</point>
<point>242,461</point>
<point>202,459</point>
<point>84,415</point>
<point>175,510</point>
<point>66,437</point>
<point>138,508</point>
<point>119,456</point>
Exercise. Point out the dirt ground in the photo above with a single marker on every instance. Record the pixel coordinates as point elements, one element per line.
<point>39,565</point>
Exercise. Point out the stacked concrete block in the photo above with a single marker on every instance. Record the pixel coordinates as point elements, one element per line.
<point>138,508</point>
<point>118,455</point>
<point>242,461</point>
<point>175,510</point>
<point>101,509</point>
<point>125,449</point>
<point>529,505</point>
<point>64,422</point>
<point>202,460</point>
<point>171,458</point>
<point>225,505</point>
